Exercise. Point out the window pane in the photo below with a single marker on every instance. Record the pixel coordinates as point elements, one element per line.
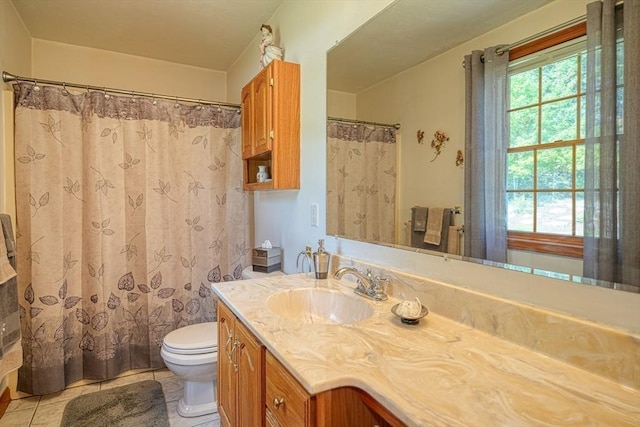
<point>520,211</point>
<point>620,111</point>
<point>580,166</point>
<point>554,213</point>
<point>523,89</point>
<point>554,168</point>
<point>560,79</point>
<point>580,213</point>
<point>520,171</point>
<point>583,72</point>
<point>620,62</point>
<point>583,117</point>
<point>559,121</point>
<point>523,127</point>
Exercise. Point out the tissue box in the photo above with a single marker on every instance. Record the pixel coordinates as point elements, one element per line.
<point>263,257</point>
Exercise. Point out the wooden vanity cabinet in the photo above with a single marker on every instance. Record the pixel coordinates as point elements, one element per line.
<point>240,373</point>
<point>271,127</point>
<point>255,389</point>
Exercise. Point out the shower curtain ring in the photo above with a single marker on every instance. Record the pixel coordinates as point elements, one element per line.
<point>177,105</point>
<point>35,86</point>
<point>133,96</point>
<point>104,91</point>
<point>64,89</point>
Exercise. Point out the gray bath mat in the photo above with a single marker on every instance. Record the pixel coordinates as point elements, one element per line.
<point>132,405</point>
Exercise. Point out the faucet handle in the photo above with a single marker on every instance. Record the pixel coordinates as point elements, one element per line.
<point>377,283</point>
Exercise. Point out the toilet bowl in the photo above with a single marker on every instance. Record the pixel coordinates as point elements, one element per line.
<point>191,353</point>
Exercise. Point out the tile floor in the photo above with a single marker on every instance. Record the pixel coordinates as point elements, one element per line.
<point>46,411</point>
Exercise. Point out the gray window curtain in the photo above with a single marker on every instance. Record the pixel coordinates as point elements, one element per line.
<point>486,138</point>
<point>612,155</point>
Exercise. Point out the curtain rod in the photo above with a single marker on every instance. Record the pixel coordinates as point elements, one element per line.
<point>502,50</point>
<point>8,77</point>
<point>364,122</point>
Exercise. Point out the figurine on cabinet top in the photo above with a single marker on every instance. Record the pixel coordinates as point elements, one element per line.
<point>268,52</point>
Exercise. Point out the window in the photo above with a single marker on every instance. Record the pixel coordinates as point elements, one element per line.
<point>545,155</point>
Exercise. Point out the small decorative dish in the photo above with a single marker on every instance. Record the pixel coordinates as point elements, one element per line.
<point>407,318</point>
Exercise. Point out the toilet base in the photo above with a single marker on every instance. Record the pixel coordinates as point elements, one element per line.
<point>196,410</point>
<point>199,398</point>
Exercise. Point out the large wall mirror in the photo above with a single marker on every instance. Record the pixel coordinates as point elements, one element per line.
<point>405,67</point>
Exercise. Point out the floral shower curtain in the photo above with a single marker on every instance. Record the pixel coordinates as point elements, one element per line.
<point>361,178</point>
<point>127,209</point>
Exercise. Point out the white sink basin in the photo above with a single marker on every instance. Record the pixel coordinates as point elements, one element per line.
<point>319,306</point>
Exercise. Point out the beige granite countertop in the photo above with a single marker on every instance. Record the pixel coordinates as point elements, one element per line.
<point>436,373</point>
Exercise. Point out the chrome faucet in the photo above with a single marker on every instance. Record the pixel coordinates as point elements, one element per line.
<point>369,286</point>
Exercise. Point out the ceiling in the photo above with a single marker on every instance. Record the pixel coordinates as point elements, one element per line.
<point>411,31</point>
<point>214,33</point>
<point>204,33</point>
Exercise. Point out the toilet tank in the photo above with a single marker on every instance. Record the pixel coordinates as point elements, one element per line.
<point>248,273</point>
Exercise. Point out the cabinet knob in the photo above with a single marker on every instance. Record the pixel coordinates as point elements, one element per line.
<point>278,402</point>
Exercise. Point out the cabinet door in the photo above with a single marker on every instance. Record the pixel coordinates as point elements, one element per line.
<point>262,112</point>
<point>226,367</point>
<point>250,355</point>
<point>286,400</point>
<point>247,121</point>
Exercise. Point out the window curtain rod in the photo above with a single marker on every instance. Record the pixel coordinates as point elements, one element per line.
<point>364,122</point>
<point>503,49</point>
<point>8,77</point>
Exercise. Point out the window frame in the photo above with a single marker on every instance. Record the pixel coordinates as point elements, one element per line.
<point>553,244</point>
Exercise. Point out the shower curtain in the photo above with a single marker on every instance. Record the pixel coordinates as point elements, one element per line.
<point>361,177</point>
<point>127,209</point>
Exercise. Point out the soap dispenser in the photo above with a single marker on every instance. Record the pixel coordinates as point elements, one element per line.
<point>321,261</point>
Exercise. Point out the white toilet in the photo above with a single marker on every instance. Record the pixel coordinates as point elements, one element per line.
<point>248,273</point>
<point>191,353</point>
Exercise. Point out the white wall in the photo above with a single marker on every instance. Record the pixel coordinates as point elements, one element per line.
<point>307,30</point>
<point>341,104</point>
<point>96,67</point>
<point>15,58</point>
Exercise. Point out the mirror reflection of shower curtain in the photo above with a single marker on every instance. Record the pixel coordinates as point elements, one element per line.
<point>361,176</point>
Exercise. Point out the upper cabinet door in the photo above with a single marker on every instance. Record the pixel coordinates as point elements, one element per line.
<point>262,124</point>
<point>247,122</point>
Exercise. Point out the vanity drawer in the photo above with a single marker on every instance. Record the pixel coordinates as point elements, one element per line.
<point>286,400</point>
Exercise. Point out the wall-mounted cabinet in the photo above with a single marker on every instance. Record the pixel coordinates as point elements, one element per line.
<point>271,127</point>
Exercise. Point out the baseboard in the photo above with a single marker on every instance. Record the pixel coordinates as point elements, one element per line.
<point>5,399</point>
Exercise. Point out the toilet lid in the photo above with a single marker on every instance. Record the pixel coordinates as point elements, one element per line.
<point>193,339</point>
